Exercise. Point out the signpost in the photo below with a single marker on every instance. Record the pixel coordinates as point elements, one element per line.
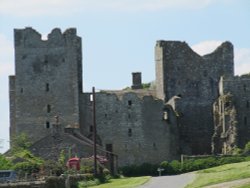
<point>160,170</point>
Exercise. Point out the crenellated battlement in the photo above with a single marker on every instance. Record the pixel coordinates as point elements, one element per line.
<point>29,37</point>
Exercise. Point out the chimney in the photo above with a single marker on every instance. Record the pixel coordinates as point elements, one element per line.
<point>136,80</point>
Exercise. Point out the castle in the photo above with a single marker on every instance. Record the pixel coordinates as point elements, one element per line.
<point>197,105</point>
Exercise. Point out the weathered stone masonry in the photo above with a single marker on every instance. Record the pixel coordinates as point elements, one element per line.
<point>232,112</point>
<point>139,125</point>
<point>48,83</point>
<point>180,71</point>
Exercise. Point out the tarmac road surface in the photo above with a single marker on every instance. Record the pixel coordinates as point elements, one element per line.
<point>177,181</point>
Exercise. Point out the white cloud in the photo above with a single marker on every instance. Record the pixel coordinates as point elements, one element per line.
<point>241,55</point>
<point>65,7</point>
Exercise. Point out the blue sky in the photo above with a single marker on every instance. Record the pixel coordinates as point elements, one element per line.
<point>118,36</point>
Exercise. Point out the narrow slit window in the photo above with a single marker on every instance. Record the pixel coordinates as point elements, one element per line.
<point>47,87</point>
<point>154,146</point>
<point>129,132</point>
<point>48,108</point>
<point>247,104</point>
<point>129,102</point>
<point>91,128</point>
<point>245,120</point>
<point>47,124</point>
<point>245,87</point>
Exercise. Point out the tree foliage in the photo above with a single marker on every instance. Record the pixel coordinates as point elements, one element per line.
<point>20,142</point>
<point>5,164</point>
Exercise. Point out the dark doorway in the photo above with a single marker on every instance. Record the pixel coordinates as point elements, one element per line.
<point>110,156</point>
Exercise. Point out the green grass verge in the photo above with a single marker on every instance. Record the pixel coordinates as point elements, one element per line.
<point>124,182</point>
<point>221,174</point>
<point>244,186</point>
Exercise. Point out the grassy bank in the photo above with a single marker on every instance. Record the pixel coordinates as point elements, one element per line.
<point>124,182</point>
<point>221,174</point>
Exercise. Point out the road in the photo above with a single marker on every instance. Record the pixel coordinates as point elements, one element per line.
<point>177,181</point>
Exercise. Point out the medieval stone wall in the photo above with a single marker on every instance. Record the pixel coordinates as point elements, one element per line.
<point>133,127</point>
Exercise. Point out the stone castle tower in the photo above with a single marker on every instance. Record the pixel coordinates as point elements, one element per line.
<point>47,83</point>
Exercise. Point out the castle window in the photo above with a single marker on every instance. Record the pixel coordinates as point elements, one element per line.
<point>47,87</point>
<point>46,59</point>
<point>245,120</point>
<point>48,108</point>
<point>154,146</point>
<point>106,115</point>
<point>129,132</point>
<point>109,147</point>
<point>227,104</point>
<point>129,116</point>
<point>21,90</point>
<point>247,105</point>
<point>91,128</point>
<point>47,124</point>
<point>244,87</point>
<point>129,102</point>
<point>205,73</point>
<point>165,115</point>
<point>126,147</point>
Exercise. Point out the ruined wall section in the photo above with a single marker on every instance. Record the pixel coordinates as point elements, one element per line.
<point>225,137</point>
<point>180,71</point>
<point>48,80</point>
<point>239,88</point>
<point>134,128</point>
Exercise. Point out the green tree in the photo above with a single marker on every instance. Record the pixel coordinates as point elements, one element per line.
<point>20,142</point>
<point>5,164</point>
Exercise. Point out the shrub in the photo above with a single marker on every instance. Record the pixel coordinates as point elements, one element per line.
<point>53,168</point>
<point>55,182</point>
<point>145,169</point>
<point>231,159</point>
<point>247,148</point>
<point>26,168</point>
<point>5,164</point>
<point>174,167</point>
